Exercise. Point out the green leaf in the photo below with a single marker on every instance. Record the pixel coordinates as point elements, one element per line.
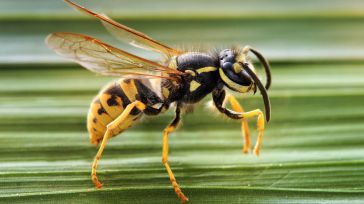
<point>312,149</point>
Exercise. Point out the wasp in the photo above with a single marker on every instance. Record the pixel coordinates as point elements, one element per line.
<point>146,87</point>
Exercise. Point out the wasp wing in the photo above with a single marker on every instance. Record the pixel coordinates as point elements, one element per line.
<point>128,35</point>
<point>104,59</point>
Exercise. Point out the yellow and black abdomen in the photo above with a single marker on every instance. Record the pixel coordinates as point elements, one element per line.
<point>111,102</point>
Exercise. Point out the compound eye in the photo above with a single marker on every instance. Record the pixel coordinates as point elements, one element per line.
<point>227,66</point>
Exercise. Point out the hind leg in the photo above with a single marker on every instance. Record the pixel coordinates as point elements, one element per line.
<point>125,119</point>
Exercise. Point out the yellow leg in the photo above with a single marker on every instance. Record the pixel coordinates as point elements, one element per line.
<point>176,187</point>
<point>109,133</point>
<point>244,125</point>
<point>260,124</point>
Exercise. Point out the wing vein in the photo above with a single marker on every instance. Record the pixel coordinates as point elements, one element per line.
<point>104,59</point>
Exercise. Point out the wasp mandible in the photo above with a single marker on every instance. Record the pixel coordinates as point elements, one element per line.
<point>150,88</point>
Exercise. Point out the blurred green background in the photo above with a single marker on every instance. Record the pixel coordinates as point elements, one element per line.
<point>313,147</point>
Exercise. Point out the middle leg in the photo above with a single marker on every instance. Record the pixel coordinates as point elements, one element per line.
<point>170,128</point>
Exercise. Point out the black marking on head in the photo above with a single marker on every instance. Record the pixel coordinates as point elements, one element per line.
<point>94,120</point>
<point>94,129</point>
<point>241,78</point>
<point>127,81</point>
<point>227,55</point>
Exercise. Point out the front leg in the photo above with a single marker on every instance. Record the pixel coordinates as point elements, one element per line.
<point>219,96</point>
<point>244,124</point>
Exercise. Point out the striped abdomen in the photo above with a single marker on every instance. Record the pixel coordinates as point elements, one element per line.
<point>112,101</point>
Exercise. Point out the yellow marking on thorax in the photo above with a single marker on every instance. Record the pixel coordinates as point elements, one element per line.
<point>129,89</point>
<point>194,85</point>
<point>206,69</point>
<point>165,92</point>
<point>190,72</point>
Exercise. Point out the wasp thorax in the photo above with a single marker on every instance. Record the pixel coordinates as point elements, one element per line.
<point>232,73</point>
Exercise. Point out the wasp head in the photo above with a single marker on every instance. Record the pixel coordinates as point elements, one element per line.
<point>232,72</point>
<point>238,74</point>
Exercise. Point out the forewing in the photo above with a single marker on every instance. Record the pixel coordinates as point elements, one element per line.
<point>104,59</point>
<point>128,35</point>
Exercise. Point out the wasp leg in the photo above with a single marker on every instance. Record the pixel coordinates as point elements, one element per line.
<point>170,128</point>
<point>111,130</point>
<point>219,97</point>
<point>244,125</point>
